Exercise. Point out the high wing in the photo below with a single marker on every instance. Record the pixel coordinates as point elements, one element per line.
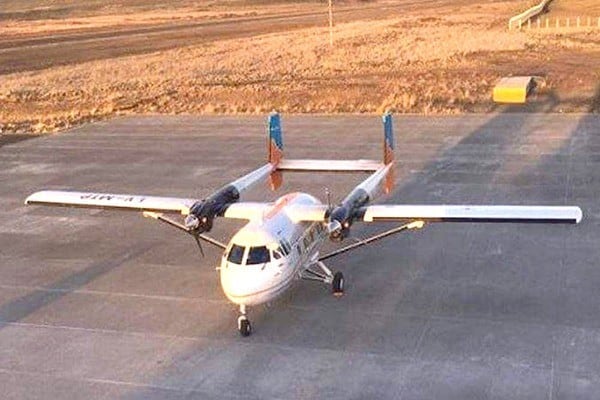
<point>415,216</point>
<point>200,214</point>
<point>297,213</point>
<point>111,201</point>
<point>355,207</point>
<point>471,213</point>
<point>246,210</point>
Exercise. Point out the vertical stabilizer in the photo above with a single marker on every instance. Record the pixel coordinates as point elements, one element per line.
<point>275,149</point>
<point>388,151</point>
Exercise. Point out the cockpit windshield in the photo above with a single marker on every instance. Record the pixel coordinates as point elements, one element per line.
<point>236,254</point>
<point>258,255</point>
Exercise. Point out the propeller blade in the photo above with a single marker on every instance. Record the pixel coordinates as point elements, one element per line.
<point>199,244</point>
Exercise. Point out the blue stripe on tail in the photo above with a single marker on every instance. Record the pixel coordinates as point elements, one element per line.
<point>388,130</point>
<point>275,130</point>
<point>388,152</point>
<point>388,141</point>
<point>275,149</point>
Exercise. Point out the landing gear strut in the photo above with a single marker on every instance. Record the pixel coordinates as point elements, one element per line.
<point>244,326</point>
<point>326,276</point>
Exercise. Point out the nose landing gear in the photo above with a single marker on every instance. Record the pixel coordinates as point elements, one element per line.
<point>244,326</point>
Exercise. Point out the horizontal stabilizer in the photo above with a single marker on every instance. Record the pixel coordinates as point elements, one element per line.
<point>472,213</point>
<point>330,165</point>
<point>111,201</point>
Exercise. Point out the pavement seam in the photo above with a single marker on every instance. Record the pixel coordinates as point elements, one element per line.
<point>111,382</point>
<point>115,294</point>
<point>403,358</point>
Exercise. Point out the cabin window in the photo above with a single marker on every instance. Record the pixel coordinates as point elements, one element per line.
<point>277,254</point>
<point>282,249</point>
<point>236,254</point>
<point>306,242</point>
<point>319,228</point>
<point>258,255</point>
<point>287,246</point>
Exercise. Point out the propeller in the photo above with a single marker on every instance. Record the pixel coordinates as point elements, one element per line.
<point>197,237</point>
<point>192,223</point>
<point>190,226</point>
<point>328,195</point>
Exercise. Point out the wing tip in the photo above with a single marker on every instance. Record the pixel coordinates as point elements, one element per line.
<point>31,199</point>
<point>578,215</point>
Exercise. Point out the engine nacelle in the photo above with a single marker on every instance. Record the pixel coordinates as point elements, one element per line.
<point>202,213</point>
<point>345,213</point>
<point>341,218</point>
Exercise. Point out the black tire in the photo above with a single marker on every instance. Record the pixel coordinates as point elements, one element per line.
<point>245,328</point>
<point>337,286</point>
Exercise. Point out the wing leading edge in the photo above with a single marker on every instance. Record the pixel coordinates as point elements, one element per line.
<point>111,201</point>
<point>472,213</point>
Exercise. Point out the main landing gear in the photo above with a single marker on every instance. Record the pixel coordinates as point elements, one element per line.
<point>337,284</point>
<point>326,276</point>
<point>244,326</point>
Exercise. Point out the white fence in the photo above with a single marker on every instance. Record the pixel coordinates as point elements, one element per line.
<point>564,22</point>
<point>518,20</point>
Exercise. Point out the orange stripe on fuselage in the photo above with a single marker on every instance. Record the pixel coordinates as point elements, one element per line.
<point>280,204</point>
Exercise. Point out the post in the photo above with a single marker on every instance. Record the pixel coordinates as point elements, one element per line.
<point>539,23</point>
<point>557,22</point>
<point>568,22</point>
<point>529,24</point>
<point>578,22</point>
<point>331,23</point>
<point>547,23</point>
<point>589,21</point>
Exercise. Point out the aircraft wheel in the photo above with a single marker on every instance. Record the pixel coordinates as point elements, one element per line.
<point>244,326</point>
<point>337,285</point>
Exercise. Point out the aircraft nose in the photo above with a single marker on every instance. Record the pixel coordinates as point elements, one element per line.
<point>242,281</point>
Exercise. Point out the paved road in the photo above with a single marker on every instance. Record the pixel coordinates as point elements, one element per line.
<point>34,53</point>
<point>106,305</point>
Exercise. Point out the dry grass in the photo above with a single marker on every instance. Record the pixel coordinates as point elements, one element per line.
<point>574,8</point>
<point>444,63</point>
<point>114,17</point>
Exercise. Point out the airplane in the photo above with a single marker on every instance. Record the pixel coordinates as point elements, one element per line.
<point>282,239</point>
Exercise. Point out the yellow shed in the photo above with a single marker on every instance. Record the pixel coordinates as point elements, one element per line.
<point>513,89</point>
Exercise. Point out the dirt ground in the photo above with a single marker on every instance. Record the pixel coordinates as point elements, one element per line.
<point>437,56</point>
<point>575,8</point>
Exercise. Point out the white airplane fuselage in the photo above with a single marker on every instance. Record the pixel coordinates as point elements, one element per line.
<point>263,258</point>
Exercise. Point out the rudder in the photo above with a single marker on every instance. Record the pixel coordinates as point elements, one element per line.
<point>275,149</point>
<point>388,151</point>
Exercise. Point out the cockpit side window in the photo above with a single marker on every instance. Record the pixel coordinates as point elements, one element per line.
<point>236,254</point>
<point>277,254</point>
<point>258,255</point>
<point>283,249</point>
